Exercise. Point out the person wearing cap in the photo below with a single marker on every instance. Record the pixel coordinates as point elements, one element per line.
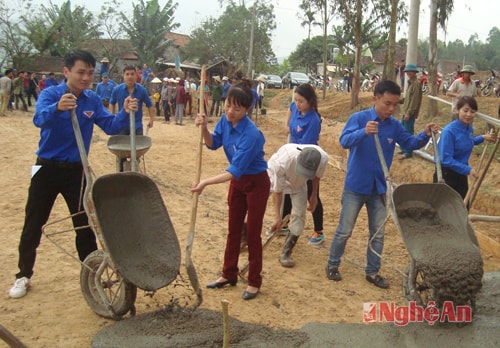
<point>216,97</point>
<point>225,88</point>
<point>105,88</point>
<point>289,169</point>
<point>104,66</point>
<point>461,87</point>
<point>365,182</point>
<point>345,79</point>
<point>411,104</point>
<point>249,186</point>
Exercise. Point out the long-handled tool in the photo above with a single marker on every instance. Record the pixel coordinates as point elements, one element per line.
<point>471,194</point>
<point>265,242</point>
<point>193,277</point>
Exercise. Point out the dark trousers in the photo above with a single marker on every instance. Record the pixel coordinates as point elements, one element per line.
<point>52,179</point>
<point>31,93</point>
<point>456,181</point>
<point>138,131</point>
<point>166,110</point>
<point>189,104</point>
<point>317,213</point>
<point>247,196</point>
<point>215,107</point>
<point>20,97</point>
<point>157,107</point>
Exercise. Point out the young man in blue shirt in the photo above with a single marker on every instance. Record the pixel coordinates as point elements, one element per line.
<point>365,182</point>
<point>131,88</point>
<point>58,168</point>
<point>105,88</point>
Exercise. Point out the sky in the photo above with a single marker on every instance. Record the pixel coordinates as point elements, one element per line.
<point>469,17</point>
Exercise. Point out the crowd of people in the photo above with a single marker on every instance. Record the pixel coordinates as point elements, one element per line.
<point>291,176</point>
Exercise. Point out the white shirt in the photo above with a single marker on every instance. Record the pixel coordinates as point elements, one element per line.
<point>260,88</point>
<point>281,169</point>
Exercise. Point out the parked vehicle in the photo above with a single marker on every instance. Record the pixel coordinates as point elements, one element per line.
<point>489,86</point>
<point>424,81</point>
<point>369,82</point>
<point>366,83</point>
<point>294,79</point>
<point>273,81</point>
<point>317,81</point>
<point>448,81</point>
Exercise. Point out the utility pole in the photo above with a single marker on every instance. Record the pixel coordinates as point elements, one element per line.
<point>411,48</point>
<point>250,49</point>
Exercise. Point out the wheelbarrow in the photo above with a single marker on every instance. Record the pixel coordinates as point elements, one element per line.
<point>140,248</point>
<point>120,146</point>
<point>445,262</point>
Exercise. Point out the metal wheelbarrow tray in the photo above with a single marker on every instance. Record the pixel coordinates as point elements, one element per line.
<point>120,146</point>
<point>137,229</point>
<point>127,213</point>
<point>445,261</point>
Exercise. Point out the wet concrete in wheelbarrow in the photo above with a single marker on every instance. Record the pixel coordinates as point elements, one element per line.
<point>203,328</point>
<point>449,261</point>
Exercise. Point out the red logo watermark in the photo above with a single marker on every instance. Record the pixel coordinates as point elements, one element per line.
<point>379,312</point>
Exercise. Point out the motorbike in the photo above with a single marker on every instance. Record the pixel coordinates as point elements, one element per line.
<point>365,84</point>
<point>449,80</point>
<point>424,81</point>
<point>490,85</point>
<point>369,83</point>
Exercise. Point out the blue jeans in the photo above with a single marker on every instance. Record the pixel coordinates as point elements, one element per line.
<point>351,205</point>
<point>410,127</point>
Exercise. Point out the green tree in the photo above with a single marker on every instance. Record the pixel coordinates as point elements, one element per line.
<point>146,28</point>
<point>55,30</point>
<point>307,15</point>
<point>226,37</point>
<point>307,54</point>
<point>15,47</point>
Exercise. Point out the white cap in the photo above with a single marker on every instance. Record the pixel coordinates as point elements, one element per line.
<point>225,78</point>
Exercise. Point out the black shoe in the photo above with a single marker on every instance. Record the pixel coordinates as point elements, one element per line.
<point>247,295</point>
<point>217,285</point>
<point>332,273</point>
<point>378,281</point>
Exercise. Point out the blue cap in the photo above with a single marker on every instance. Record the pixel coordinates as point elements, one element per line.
<point>104,75</point>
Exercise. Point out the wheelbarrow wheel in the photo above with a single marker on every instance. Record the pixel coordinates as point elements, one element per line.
<point>119,293</point>
<point>415,288</point>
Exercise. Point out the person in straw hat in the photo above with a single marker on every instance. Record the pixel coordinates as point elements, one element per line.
<point>104,66</point>
<point>461,87</point>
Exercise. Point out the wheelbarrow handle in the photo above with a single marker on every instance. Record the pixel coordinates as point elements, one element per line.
<point>439,170</point>
<point>381,156</point>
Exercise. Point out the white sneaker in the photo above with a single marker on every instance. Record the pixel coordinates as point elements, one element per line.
<point>20,287</point>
